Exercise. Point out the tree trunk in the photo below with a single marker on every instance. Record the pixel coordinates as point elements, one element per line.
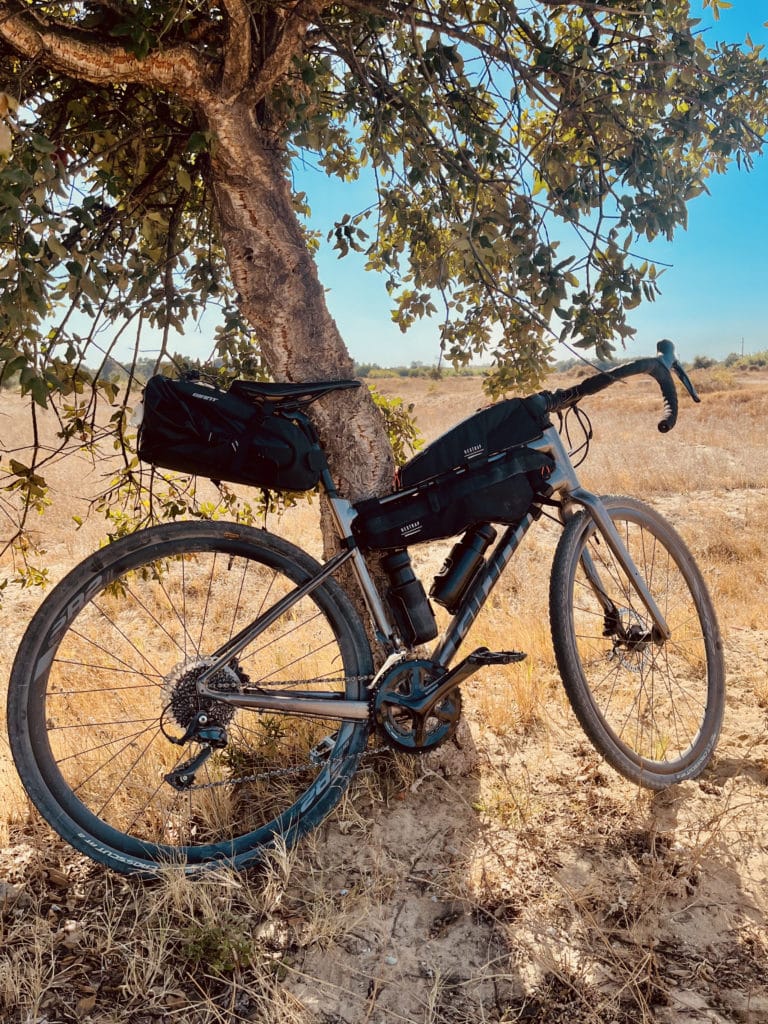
<point>281,295</point>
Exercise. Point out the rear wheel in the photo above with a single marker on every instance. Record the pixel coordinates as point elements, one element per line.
<point>652,707</point>
<point>105,676</point>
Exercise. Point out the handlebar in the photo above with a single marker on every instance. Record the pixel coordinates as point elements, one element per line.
<point>658,367</point>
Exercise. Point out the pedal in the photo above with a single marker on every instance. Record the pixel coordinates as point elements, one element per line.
<point>476,660</point>
<point>482,656</point>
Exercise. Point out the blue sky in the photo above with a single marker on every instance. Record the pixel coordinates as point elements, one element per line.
<point>714,293</point>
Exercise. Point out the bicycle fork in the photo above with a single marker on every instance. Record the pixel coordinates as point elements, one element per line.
<point>564,479</point>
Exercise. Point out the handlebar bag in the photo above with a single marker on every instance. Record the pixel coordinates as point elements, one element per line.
<point>200,430</point>
<point>501,489</point>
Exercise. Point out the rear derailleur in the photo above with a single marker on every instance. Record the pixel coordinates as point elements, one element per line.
<point>200,730</point>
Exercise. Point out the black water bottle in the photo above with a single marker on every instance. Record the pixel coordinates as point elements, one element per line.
<point>413,614</point>
<point>461,566</point>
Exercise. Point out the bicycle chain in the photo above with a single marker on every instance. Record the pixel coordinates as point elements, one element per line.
<point>277,773</point>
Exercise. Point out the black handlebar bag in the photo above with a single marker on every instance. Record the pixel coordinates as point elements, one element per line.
<point>480,471</point>
<point>200,430</point>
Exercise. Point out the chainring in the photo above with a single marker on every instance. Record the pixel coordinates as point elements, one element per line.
<point>400,724</point>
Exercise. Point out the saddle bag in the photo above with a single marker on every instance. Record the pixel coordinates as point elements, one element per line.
<point>480,471</point>
<point>200,430</point>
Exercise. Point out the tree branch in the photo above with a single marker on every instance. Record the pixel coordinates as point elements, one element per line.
<point>299,14</point>
<point>179,69</point>
<point>237,51</point>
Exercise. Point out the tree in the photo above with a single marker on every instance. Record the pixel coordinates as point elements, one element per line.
<point>520,151</point>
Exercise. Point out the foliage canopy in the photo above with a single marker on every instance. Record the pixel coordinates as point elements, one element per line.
<point>521,153</point>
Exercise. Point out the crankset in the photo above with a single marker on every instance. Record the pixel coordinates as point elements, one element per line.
<point>404,712</point>
<point>417,705</point>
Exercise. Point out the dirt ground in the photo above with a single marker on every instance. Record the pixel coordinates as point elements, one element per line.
<point>519,879</point>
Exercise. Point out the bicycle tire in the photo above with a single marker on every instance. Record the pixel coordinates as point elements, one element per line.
<point>652,708</point>
<point>105,672</point>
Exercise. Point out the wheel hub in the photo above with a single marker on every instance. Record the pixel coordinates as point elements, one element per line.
<point>631,641</point>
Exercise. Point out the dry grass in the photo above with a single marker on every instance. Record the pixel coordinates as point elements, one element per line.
<point>109,949</point>
<point>540,887</point>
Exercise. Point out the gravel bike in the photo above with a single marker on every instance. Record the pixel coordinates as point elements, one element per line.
<point>193,691</point>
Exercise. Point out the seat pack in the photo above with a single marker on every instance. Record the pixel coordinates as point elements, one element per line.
<point>194,428</point>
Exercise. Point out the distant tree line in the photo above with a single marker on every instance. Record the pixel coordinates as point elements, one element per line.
<point>418,369</point>
<point>733,361</point>
<point>177,364</point>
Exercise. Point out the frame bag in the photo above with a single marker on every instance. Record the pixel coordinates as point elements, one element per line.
<point>480,471</point>
<point>203,431</point>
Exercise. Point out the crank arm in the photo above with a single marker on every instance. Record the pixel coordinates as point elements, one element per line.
<point>478,659</point>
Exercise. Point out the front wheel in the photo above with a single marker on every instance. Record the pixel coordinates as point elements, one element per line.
<point>105,678</point>
<point>652,707</point>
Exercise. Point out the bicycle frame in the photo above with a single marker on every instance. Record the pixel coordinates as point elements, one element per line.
<point>563,482</point>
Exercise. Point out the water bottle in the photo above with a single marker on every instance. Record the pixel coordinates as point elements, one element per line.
<point>460,567</point>
<point>412,611</point>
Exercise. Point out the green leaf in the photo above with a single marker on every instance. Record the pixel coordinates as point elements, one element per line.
<point>56,247</point>
<point>13,366</point>
<point>183,179</point>
<point>39,392</point>
<point>41,144</point>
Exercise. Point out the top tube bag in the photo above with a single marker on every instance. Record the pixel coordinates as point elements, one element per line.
<point>200,430</point>
<point>475,440</point>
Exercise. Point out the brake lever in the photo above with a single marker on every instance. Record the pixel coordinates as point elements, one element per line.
<point>686,381</point>
<point>666,351</point>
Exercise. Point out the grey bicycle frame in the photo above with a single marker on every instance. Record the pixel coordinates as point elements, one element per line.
<point>333,705</point>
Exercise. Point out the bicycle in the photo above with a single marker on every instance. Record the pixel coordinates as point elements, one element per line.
<point>196,690</point>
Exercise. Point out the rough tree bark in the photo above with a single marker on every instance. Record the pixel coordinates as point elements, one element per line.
<point>282,297</point>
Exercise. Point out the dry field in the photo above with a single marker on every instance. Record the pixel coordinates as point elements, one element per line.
<point>519,880</point>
